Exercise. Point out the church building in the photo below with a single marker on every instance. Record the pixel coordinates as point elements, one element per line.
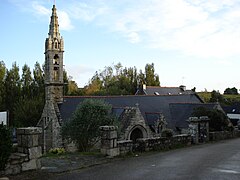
<point>142,115</point>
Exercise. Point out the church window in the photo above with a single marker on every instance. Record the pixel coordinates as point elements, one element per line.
<point>56,45</point>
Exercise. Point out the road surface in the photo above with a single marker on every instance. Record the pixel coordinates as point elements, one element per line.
<point>209,161</point>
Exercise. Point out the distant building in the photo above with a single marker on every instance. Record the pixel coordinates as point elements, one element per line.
<point>159,90</point>
<point>233,113</point>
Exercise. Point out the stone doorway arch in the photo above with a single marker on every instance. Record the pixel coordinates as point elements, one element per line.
<point>137,132</point>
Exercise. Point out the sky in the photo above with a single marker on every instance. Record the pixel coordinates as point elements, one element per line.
<point>191,42</point>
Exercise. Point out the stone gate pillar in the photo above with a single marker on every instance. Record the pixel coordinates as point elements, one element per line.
<point>29,143</point>
<point>109,141</point>
<point>199,129</point>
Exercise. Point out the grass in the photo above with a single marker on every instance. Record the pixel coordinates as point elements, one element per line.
<point>228,97</point>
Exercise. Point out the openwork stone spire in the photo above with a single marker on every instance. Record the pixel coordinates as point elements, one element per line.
<point>54,26</point>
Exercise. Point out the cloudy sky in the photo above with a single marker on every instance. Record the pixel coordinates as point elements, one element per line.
<point>191,42</point>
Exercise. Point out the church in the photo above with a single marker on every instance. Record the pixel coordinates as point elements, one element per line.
<point>143,115</point>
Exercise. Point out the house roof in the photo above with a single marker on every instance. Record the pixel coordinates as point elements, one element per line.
<point>233,109</point>
<point>159,90</point>
<point>147,104</point>
<point>180,112</point>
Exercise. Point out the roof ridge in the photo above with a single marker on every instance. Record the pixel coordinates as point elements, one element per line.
<point>116,96</point>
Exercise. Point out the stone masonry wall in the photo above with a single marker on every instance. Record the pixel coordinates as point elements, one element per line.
<point>111,147</point>
<point>28,151</point>
<point>222,135</point>
<point>162,143</point>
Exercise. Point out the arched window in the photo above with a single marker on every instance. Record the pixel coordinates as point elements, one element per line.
<point>56,45</point>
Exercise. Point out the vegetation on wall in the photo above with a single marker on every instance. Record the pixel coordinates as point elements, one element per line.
<point>83,127</point>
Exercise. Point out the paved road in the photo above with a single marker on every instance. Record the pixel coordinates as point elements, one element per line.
<point>210,161</point>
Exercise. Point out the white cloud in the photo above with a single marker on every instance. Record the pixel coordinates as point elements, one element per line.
<point>80,73</point>
<point>64,21</point>
<point>41,10</point>
<point>200,28</point>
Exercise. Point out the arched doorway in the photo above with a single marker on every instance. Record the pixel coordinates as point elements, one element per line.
<point>135,134</point>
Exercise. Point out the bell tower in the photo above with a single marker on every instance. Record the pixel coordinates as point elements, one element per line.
<point>54,48</point>
<point>51,121</point>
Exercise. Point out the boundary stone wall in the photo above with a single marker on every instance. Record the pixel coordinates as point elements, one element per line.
<point>222,135</point>
<point>111,147</point>
<point>29,151</point>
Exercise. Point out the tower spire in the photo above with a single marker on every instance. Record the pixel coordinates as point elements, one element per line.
<point>54,26</point>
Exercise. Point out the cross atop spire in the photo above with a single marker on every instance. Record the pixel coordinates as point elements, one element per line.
<point>54,26</point>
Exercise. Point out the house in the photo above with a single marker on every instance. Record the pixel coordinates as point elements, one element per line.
<point>233,113</point>
<point>159,90</point>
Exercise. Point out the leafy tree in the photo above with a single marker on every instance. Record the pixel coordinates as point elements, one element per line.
<point>5,146</point>
<point>83,127</point>
<point>26,82</point>
<point>116,80</point>
<point>28,111</point>
<point>151,78</point>
<point>94,86</point>
<point>13,90</point>
<point>38,80</point>
<point>66,84</point>
<point>3,71</point>
<point>216,97</point>
<point>231,91</point>
<point>218,120</point>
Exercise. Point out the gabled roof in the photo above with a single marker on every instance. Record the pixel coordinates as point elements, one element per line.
<point>233,109</point>
<point>149,104</point>
<point>158,90</point>
<point>180,112</point>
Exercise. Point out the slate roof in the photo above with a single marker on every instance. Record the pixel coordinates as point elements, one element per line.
<point>180,112</point>
<point>147,104</point>
<point>234,109</point>
<point>158,90</point>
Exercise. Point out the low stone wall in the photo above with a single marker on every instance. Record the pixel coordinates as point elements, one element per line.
<point>161,143</point>
<point>222,135</point>
<point>111,147</point>
<point>28,151</point>
<point>125,146</point>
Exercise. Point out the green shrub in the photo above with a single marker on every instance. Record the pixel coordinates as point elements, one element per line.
<point>83,127</point>
<point>57,151</point>
<point>167,133</point>
<point>5,146</point>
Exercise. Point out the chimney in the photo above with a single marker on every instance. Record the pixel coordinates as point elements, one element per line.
<point>182,87</point>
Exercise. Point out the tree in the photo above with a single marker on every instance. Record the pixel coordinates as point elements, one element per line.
<point>3,71</point>
<point>218,120</point>
<point>13,90</point>
<point>231,91</point>
<point>27,82</point>
<point>5,146</point>
<point>38,80</point>
<point>216,97</point>
<point>66,83</point>
<point>83,127</point>
<point>28,111</point>
<point>116,80</point>
<point>151,79</point>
